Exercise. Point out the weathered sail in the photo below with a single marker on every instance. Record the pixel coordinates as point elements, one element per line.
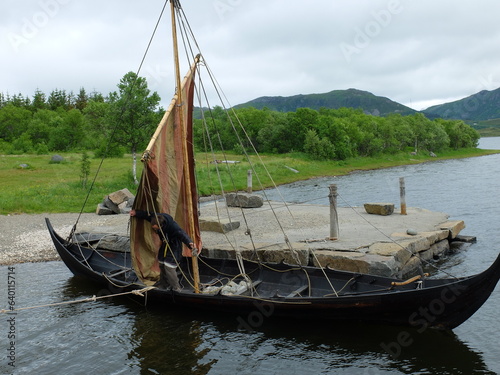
<point>166,184</point>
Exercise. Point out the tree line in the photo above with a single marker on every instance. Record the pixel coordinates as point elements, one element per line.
<point>124,120</point>
<point>110,125</point>
<point>334,134</point>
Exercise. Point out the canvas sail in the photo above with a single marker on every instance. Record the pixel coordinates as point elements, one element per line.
<point>167,183</point>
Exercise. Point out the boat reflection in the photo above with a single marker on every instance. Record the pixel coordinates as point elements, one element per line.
<point>188,342</point>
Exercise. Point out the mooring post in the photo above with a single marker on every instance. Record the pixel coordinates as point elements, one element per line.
<point>402,194</point>
<point>334,219</point>
<point>249,181</point>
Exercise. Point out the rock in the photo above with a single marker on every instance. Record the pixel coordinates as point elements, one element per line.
<point>130,202</point>
<point>383,209</point>
<point>411,268</point>
<point>411,232</point>
<point>103,210</point>
<point>373,264</point>
<point>56,159</point>
<point>266,252</point>
<point>111,205</point>
<point>392,249</point>
<point>24,166</point>
<point>244,200</point>
<point>454,228</point>
<point>120,196</point>
<point>468,239</point>
<point>214,224</point>
<point>119,202</point>
<point>124,208</point>
<point>440,248</point>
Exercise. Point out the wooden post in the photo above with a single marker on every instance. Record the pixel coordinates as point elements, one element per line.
<point>334,220</point>
<point>402,194</point>
<point>249,181</point>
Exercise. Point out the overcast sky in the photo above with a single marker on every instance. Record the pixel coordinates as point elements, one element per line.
<point>418,53</point>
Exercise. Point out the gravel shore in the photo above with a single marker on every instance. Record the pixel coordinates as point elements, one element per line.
<point>25,238</point>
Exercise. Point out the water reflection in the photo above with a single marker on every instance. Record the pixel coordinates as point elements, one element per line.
<point>178,341</point>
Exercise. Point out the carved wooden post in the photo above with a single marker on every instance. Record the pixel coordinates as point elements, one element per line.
<point>402,194</point>
<point>334,219</point>
<point>249,181</point>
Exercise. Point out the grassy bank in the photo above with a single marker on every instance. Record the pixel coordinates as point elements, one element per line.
<point>45,187</point>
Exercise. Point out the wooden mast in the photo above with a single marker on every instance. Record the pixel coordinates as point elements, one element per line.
<point>187,175</point>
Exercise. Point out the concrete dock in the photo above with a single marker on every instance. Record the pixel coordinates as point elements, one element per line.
<point>366,243</point>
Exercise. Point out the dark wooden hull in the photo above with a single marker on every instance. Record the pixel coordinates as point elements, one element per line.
<point>283,290</point>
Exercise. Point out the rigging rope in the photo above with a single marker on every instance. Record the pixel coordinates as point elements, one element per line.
<point>115,128</point>
<point>141,292</point>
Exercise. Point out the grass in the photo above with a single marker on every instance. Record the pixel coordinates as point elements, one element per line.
<point>45,187</point>
<point>487,128</point>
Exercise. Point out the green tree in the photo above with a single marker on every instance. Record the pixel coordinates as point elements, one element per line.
<point>299,122</point>
<point>13,121</point>
<point>273,136</point>
<point>19,100</point>
<point>319,149</point>
<point>68,131</point>
<point>81,100</point>
<point>96,115</point>
<point>133,115</point>
<point>84,169</point>
<point>461,135</point>
<point>58,99</point>
<point>39,101</point>
<point>22,144</point>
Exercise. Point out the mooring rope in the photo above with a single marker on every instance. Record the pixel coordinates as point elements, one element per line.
<point>94,298</point>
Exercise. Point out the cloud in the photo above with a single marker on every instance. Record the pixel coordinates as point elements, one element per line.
<point>413,52</point>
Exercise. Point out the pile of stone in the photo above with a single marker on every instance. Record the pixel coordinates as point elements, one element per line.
<point>118,202</point>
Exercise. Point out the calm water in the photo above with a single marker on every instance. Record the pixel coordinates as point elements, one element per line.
<point>121,337</point>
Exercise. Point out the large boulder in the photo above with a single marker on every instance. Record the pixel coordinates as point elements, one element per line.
<point>244,200</point>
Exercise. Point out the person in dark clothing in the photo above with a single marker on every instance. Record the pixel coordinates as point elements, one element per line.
<point>170,251</point>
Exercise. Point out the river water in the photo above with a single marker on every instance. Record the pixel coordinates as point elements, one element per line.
<point>118,336</point>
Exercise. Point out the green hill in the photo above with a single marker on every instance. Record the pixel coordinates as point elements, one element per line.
<point>351,98</point>
<point>485,105</point>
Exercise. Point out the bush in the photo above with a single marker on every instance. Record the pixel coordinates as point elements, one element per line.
<point>113,151</point>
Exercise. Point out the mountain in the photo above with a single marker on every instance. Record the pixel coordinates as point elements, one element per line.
<point>351,98</point>
<point>485,105</point>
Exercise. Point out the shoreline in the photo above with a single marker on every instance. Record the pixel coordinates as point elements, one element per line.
<point>25,239</point>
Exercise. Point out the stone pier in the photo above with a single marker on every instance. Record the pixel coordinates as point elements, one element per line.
<point>389,245</point>
<point>392,245</point>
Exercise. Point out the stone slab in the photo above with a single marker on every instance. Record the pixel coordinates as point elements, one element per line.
<point>103,210</point>
<point>214,224</point>
<point>383,209</point>
<point>120,196</point>
<point>454,227</point>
